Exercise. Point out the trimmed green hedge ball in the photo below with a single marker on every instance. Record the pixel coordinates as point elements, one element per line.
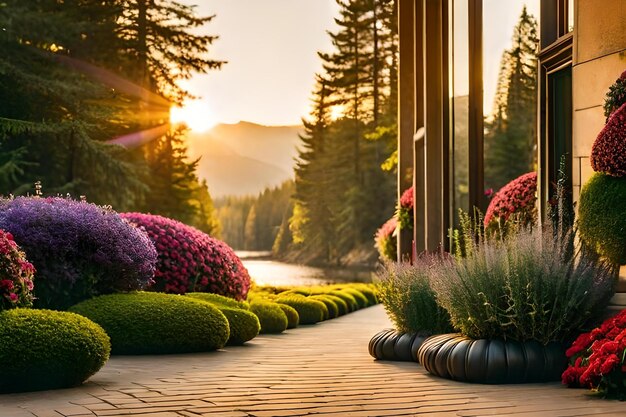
<point>293,319</point>
<point>219,299</point>
<point>310,311</point>
<point>147,323</point>
<point>333,310</point>
<point>348,298</point>
<point>243,324</point>
<point>44,349</point>
<point>367,291</point>
<point>602,216</point>
<point>360,299</point>
<point>271,316</point>
<point>342,306</point>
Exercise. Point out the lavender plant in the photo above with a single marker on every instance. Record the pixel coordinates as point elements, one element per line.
<point>78,249</point>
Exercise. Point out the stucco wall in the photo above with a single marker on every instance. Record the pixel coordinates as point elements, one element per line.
<point>599,58</point>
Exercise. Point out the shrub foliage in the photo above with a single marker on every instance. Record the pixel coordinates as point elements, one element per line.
<point>190,260</point>
<point>409,300</point>
<point>16,275</point>
<point>608,153</point>
<point>43,349</point>
<point>79,249</point>
<point>517,198</point>
<point>531,285</point>
<point>148,323</point>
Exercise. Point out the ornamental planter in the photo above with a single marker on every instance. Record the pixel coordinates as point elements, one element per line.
<point>485,361</point>
<point>390,345</point>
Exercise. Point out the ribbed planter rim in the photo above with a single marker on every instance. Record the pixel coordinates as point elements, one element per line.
<point>392,345</point>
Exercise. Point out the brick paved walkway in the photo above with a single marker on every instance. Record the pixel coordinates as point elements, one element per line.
<point>321,370</point>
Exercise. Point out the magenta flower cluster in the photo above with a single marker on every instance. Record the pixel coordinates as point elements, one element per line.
<point>79,249</point>
<point>16,275</point>
<point>518,196</point>
<point>608,153</point>
<point>190,260</point>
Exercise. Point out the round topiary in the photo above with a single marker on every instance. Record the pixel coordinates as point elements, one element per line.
<point>608,153</point>
<point>147,323</point>
<point>385,241</point>
<point>367,291</point>
<point>43,349</point>
<point>602,216</point>
<point>347,298</point>
<point>293,319</point>
<point>243,324</point>
<point>310,311</point>
<point>360,299</point>
<point>219,300</point>
<point>190,260</point>
<point>271,316</point>
<point>515,198</point>
<point>16,275</point>
<point>342,306</point>
<point>79,249</point>
<point>333,310</point>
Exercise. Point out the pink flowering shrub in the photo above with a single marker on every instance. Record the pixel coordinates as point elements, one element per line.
<point>515,198</point>
<point>608,153</point>
<point>16,275</point>
<point>597,359</point>
<point>190,260</point>
<point>405,209</point>
<point>385,241</point>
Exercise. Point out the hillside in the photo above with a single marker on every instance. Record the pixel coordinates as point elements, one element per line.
<point>244,158</point>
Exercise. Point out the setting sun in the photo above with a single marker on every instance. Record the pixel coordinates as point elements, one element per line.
<point>197,115</point>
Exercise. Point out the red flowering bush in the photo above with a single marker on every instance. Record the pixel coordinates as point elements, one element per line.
<point>515,198</point>
<point>190,260</point>
<point>16,275</point>
<point>597,359</point>
<point>608,153</point>
<point>616,96</point>
<point>385,240</point>
<point>405,209</point>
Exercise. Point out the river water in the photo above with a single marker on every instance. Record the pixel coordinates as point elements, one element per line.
<point>265,271</point>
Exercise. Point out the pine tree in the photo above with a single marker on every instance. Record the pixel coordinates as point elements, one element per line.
<point>511,132</point>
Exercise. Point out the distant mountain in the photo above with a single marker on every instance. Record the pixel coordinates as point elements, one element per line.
<point>244,158</point>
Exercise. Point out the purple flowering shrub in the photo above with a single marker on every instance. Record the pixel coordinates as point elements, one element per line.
<point>16,275</point>
<point>515,198</point>
<point>79,249</point>
<point>190,260</point>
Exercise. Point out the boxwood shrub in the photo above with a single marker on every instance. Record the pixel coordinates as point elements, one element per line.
<point>367,291</point>
<point>148,323</point>
<point>43,349</point>
<point>348,298</point>
<point>243,324</point>
<point>219,299</point>
<point>293,319</point>
<point>602,216</point>
<point>271,316</point>
<point>310,311</point>
<point>360,299</point>
<point>333,310</point>
<point>342,306</point>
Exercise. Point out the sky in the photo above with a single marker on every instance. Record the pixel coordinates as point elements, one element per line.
<point>271,48</point>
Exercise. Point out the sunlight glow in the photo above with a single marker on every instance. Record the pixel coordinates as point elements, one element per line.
<point>337,112</point>
<point>197,115</point>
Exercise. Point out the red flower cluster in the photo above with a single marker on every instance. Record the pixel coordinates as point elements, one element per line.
<point>608,153</point>
<point>597,358</point>
<point>406,200</point>
<point>518,196</point>
<point>190,260</point>
<point>16,275</point>
<point>385,241</point>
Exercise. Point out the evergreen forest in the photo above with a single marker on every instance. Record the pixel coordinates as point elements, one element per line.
<point>86,75</point>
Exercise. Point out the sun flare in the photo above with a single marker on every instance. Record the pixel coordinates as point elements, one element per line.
<point>196,115</point>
